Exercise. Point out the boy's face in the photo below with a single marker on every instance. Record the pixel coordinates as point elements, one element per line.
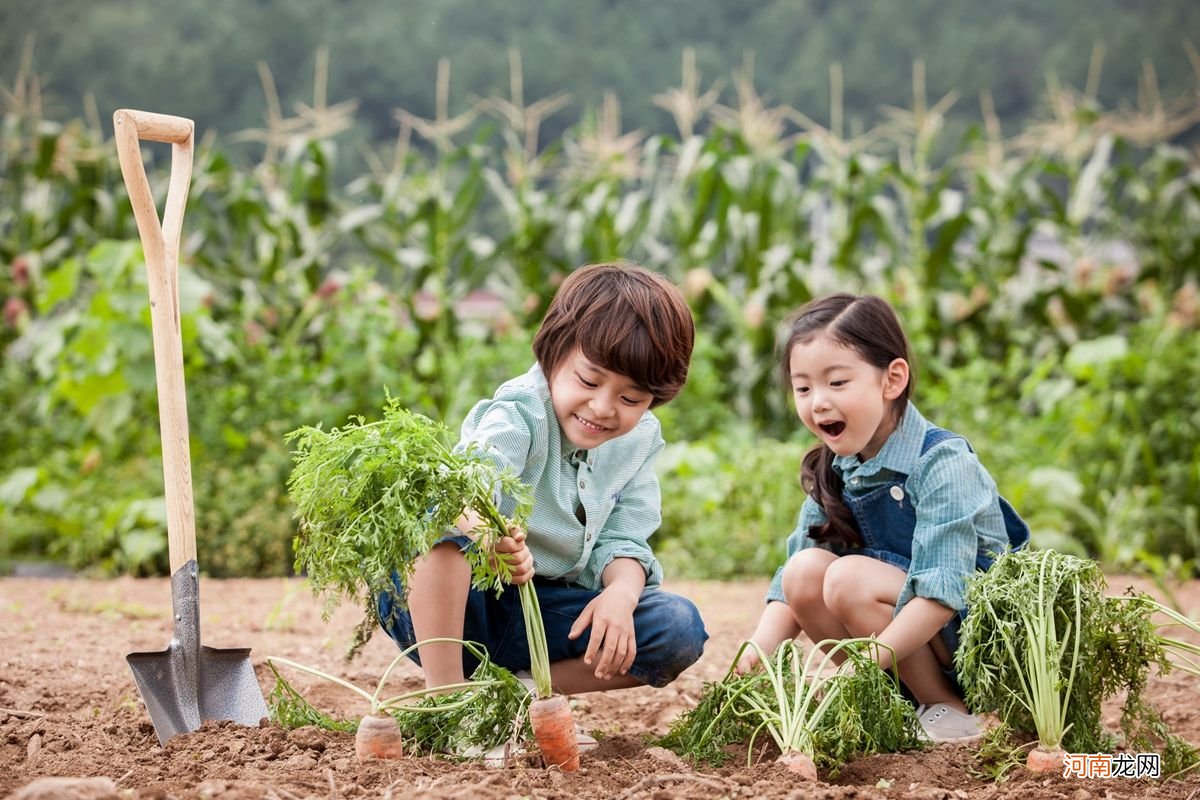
<point>592,404</point>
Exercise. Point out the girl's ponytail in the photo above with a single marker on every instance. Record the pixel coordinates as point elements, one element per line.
<point>824,486</point>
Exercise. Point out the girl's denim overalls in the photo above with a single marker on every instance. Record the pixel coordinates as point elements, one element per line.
<point>886,519</point>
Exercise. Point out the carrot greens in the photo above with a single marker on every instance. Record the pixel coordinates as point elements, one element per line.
<point>1043,647</point>
<point>482,713</point>
<point>806,705</point>
<point>373,497</point>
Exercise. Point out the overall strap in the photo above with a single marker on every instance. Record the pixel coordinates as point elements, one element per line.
<point>1016,528</point>
<point>935,436</point>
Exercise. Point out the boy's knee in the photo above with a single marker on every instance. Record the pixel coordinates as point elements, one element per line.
<point>676,641</point>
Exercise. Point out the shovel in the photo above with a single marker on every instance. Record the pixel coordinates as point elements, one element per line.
<point>188,682</point>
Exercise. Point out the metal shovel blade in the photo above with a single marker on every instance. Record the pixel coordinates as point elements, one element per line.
<point>188,682</point>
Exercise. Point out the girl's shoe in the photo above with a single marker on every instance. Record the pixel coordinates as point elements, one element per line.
<point>941,723</point>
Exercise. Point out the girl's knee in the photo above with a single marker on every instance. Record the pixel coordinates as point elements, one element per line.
<point>804,577</point>
<point>841,588</point>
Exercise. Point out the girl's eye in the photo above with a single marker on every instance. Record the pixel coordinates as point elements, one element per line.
<point>586,382</point>
<point>800,389</point>
<point>631,401</point>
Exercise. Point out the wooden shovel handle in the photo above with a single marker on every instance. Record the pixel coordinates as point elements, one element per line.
<point>161,246</point>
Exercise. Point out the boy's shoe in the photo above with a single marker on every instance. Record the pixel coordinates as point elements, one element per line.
<point>941,723</point>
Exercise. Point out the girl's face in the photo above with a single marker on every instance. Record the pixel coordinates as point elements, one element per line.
<point>592,404</point>
<point>842,399</point>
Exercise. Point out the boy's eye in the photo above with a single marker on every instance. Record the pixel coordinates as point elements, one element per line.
<point>632,401</point>
<point>800,389</point>
<point>838,383</point>
<point>586,382</point>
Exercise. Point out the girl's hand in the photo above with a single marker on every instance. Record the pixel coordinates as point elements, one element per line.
<point>747,663</point>
<point>612,644</point>
<point>513,550</point>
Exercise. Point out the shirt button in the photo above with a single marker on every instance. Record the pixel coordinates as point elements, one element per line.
<point>583,484</point>
<point>897,493</point>
<point>854,480</point>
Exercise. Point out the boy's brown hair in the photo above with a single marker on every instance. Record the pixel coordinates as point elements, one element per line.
<point>624,318</point>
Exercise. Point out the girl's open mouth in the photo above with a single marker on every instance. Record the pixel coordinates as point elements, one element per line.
<point>833,428</point>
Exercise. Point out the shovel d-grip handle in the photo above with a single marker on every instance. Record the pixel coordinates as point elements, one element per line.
<point>160,243</point>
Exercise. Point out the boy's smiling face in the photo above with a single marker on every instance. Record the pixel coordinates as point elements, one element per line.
<point>593,404</point>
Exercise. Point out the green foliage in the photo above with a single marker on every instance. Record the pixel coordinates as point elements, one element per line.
<point>489,712</point>
<point>292,710</point>
<point>830,717</point>
<point>201,56</point>
<point>728,505</point>
<point>1043,647</point>
<point>1047,282</point>
<point>494,714</point>
<point>373,497</point>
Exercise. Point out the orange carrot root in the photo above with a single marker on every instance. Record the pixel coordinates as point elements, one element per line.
<point>554,729</point>
<point>378,737</point>
<point>800,764</point>
<point>1043,760</point>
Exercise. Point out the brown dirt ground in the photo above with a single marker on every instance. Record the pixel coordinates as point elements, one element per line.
<point>69,708</point>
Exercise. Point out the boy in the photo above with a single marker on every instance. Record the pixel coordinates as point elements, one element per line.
<point>577,427</point>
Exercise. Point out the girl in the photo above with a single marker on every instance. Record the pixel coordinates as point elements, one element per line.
<point>899,512</point>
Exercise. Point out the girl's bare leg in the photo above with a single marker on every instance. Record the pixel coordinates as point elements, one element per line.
<point>437,600</point>
<point>861,593</point>
<point>803,589</point>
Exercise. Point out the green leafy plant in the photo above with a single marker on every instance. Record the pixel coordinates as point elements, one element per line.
<point>373,497</point>
<point>478,712</point>
<point>813,715</point>
<point>1043,647</point>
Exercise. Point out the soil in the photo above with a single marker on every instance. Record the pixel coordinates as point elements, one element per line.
<point>72,723</point>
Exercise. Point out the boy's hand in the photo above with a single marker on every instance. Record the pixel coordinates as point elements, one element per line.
<point>513,550</point>
<point>612,644</point>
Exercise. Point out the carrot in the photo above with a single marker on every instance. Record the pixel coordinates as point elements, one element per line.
<point>800,764</point>
<point>378,737</point>
<point>1042,760</point>
<point>554,729</point>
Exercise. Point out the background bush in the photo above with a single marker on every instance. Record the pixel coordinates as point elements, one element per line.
<point>1048,281</point>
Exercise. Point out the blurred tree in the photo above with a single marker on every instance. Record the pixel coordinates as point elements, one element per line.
<point>199,57</point>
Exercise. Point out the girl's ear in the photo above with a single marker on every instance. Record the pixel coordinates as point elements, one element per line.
<point>895,379</point>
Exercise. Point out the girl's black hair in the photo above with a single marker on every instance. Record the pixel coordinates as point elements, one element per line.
<point>867,325</point>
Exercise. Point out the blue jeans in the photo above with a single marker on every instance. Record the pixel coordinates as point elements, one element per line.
<point>670,634</point>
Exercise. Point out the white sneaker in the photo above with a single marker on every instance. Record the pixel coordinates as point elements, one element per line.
<point>941,723</point>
